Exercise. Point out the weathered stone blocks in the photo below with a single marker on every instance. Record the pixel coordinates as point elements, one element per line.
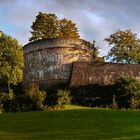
<point>49,62</point>
<point>101,73</point>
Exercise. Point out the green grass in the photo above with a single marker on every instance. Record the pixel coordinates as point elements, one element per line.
<point>67,107</point>
<point>80,124</point>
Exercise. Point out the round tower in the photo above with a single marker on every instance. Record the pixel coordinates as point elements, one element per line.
<point>48,62</point>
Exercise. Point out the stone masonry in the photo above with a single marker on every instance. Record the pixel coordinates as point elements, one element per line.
<point>49,62</point>
<point>52,62</point>
<point>101,73</point>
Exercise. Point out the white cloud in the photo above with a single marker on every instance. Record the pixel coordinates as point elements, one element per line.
<point>96,19</point>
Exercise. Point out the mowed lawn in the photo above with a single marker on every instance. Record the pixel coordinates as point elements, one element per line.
<point>81,124</point>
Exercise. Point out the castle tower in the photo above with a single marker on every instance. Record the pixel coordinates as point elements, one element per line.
<point>48,62</point>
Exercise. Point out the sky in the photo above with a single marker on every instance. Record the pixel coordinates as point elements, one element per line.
<point>95,19</point>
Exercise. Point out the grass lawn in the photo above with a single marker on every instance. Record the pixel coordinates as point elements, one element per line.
<point>77,124</point>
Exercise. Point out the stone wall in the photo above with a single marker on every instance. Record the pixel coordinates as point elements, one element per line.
<point>51,43</point>
<point>49,62</point>
<point>101,73</point>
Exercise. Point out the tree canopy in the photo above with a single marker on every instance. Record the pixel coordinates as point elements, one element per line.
<point>45,26</point>
<point>11,60</point>
<point>126,47</point>
<point>49,26</point>
<point>67,29</point>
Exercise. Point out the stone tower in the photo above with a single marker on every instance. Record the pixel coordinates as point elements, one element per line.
<point>48,62</point>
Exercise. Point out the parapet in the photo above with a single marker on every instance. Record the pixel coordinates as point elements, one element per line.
<point>52,43</point>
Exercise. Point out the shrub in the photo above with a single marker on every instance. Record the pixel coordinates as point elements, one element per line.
<point>59,100</point>
<point>37,96</point>
<point>1,103</point>
<point>127,89</point>
<point>128,86</point>
<point>8,101</point>
<point>114,103</point>
<point>93,95</point>
<point>31,101</point>
<point>25,103</point>
<point>134,102</point>
<point>63,97</point>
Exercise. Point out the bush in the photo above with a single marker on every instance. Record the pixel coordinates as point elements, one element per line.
<point>25,103</point>
<point>1,103</point>
<point>12,103</point>
<point>134,102</point>
<point>7,101</point>
<point>128,89</point>
<point>32,100</point>
<point>128,86</point>
<point>63,97</point>
<point>38,96</point>
<point>58,100</point>
<point>93,95</point>
<point>114,103</point>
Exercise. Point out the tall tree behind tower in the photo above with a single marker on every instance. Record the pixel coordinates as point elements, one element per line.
<point>49,26</point>
<point>45,26</point>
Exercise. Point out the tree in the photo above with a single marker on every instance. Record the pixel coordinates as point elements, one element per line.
<point>126,47</point>
<point>67,29</point>
<point>95,50</point>
<point>11,60</point>
<point>45,26</point>
<point>49,26</point>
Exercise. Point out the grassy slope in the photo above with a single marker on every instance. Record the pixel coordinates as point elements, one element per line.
<point>82,124</point>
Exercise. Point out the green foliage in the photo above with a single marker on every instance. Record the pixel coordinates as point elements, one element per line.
<point>128,86</point>
<point>101,96</point>
<point>48,26</point>
<point>63,97</point>
<point>114,103</point>
<point>11,60</point>
<point>1,99</point>
<point>134,102</point>
<point>31,101</point>
<point>7,101</point>
<point>67,29</point>
<point>37,95</point>
<point>125,47</point>
<point>95,50</point>
<point>58,99</point>
<point>128,92</point>
<point>45,26</point>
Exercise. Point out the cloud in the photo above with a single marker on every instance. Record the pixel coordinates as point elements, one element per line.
<point>7,1</point>
<point>96,19</point>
